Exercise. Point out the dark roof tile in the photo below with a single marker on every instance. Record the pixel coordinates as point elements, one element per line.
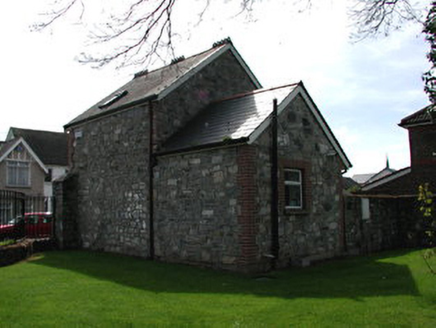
<point>50,147</point>
<point>425,116</point>
<point>145,85</point>
<point>229,119</point>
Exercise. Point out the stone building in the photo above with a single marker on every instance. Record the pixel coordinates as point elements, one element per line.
<point>196,163</point>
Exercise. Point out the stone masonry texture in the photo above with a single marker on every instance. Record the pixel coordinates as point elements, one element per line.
<point>196,205</point>
<point>313,232</point>
<point>110,163</point>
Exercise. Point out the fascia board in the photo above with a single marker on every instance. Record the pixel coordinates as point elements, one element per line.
<point>29,149</point>
<point>300,90</point>
<point>246,67</point>
<point>413,125</point>
<point>326,129</point>
<point>203,64</point>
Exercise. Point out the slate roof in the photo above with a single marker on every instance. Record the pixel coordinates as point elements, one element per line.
<point>4,146</point>
<point>363,178</point>
<point>385,172</point>
<point>349,183</point>
<point>228,120</point>
<point>387,179</point>
<point>425,116</point>
<point>50,147</point>
<point>366,178</point>
<point>150,85</point>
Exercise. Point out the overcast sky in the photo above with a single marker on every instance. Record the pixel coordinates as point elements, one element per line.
<point>363,89</point>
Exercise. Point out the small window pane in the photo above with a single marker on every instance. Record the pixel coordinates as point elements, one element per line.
<point>293,175</point>
<point>18,173</point>
<point>293,189</point>
<point>293,196</point>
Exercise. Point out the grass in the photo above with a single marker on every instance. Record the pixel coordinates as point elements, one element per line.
<point>7,242</point>
<point>86,289</point>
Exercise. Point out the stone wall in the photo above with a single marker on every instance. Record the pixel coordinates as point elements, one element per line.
<point>110,160</point>
<point>392,223</point>
<point>196,208</point>
<point>65,191</point>
<point>314,232</point>
<point>110,157</point>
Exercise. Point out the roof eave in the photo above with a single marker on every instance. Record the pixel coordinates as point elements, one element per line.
<point>413,125</point>
<point>113,111</point>
<point>210,146</point>
<point>386,179</point>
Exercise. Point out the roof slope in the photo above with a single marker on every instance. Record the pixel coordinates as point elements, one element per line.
<point>363,178</point>
<point>234,118</point>
<point>385,172</point>
<point>392,177</point>
<point>158,83</point>
<point>425,116</point>
<point>349,183</point>
<point>50,147</point>
<point>243,118</point>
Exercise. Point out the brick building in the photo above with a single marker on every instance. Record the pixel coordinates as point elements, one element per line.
<point>384,214</point>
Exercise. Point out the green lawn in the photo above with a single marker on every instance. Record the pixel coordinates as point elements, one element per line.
<point>85,289</point>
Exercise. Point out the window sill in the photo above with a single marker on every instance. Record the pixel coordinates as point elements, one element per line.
<point>18,187</point>
<point>290,211</point>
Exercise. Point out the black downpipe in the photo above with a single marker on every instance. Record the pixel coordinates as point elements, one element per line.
<point>151,164</point>
<point>274,187</point>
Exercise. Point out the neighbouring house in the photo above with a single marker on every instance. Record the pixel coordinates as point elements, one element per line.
<point>388,205</point>
<point>30,160</point>
<point>196,163</point>
<point>366,178</point>
<point>421,126</point>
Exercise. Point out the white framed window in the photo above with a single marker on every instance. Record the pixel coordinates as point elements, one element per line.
<point>293,180</point>
<point>18,173</point>
<point>366,213</point>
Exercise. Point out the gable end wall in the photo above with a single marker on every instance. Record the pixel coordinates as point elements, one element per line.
<point>314,232</point>
<point>221,78</point>
<point>110,165</point>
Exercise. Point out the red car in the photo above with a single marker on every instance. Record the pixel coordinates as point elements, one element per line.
<point>10,228</point>
<point>38,224</point>
<point>34,225</point>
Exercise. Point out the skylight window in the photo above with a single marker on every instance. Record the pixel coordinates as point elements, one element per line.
<point>114,99</point>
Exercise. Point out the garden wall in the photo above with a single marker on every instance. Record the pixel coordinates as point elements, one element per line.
<point>386,223</point>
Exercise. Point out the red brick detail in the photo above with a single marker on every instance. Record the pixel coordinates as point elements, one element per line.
<point>422,141</point>
<point>247,186</point>
<point>306,168</point>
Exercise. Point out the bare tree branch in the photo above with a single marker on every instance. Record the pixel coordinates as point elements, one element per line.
<point>145,31</point>
<point>60,9</point>
<point>374,17</point>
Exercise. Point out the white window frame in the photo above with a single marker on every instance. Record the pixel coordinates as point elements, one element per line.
<point>366,211</point>
<point>9,165</point>
<point>294,183</point>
